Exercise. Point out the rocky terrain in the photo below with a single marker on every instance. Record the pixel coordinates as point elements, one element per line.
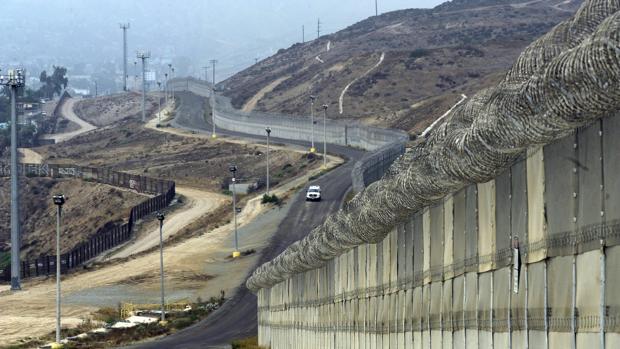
<point>106,110</point>
<point>401,69</point>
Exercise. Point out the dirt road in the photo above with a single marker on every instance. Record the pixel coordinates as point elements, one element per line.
<point>200,203</point>
<point>67,112</point>
<point>29,156</point>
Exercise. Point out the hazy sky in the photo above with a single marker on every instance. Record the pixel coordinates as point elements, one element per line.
<point>233,31</point>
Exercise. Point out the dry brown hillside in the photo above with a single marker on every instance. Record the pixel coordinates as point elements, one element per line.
<point>107,110</point>
<point>403,68</point>
<point>89,207</point>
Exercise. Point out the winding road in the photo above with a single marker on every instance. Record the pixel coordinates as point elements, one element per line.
<point>67,112</point>
<point>238,317</point>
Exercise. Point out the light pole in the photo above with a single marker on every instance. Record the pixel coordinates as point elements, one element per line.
<point>14,80</point>
<point>59,200</point>
<point>124,27</point>
<point>144,56</point>
<point>159,102</point>
<point>172,91</point>
<point>166,87</point>
<point>160,218</point>
<point>312,98</point>
<point>233,170</point>
<point>135,75</point>
<point>325,136</point>
<point>213,135</point>
<point>268,130</point>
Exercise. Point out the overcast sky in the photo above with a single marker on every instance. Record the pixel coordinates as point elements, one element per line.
<point>233,31</point>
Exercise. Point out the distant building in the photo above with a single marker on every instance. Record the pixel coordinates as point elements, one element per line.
<point>4,125</point>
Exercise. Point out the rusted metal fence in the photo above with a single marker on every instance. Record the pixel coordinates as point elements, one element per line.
<point>106,238</point>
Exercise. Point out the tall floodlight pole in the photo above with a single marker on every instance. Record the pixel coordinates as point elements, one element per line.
<point>159,102</point>
<point>213,62</point>
<point>233,170</point>
<point>59,200</point>
<point>160,218</point>
<point>376,8</point>
<point>14,80</point>
<point>312,98</point>
<point>303,34</point>
<point>325,136</point>
<point>124,26</point>
<point>144,56</point>
<point>268,130</point>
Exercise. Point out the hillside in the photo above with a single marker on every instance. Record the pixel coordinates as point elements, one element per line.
<point>401,69</point>
<point>89,207</point>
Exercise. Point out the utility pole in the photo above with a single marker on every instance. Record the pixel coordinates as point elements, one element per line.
<point>312,148</point>
<point>376,8</point>
<point>268,130</point>
<point>233,170</point>
<point>144,56</point>
<point>96,89</point>
<point>213,135</point>
<point>325,136</point>
<point>14,80</point>
<point>124,26</point>
<point>318,28</point>
<point>160,218</point>
<point>59,200</point>
<point>206,68</point>
<point>303,34</point>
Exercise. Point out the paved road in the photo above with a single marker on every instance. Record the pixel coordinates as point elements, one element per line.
<point>238,317</point>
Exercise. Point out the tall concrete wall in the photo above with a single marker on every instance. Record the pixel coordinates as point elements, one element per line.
<point>386,145</point>
<point>290,127</point>
<point>527,260</point>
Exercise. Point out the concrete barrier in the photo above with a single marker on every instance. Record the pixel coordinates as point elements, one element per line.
<point>386,144</point>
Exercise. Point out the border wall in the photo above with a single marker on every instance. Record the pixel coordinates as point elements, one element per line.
<point>527,260</point>
<point>103,239</point>
<point>386,145</point>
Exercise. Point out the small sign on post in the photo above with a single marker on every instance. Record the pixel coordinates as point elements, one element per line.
<point>515,265</point>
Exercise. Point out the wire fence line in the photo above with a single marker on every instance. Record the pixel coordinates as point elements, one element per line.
<point>385,145</point>
<point>105,238</point>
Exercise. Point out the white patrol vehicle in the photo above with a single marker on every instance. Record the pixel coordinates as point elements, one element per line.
<point>313,193</point>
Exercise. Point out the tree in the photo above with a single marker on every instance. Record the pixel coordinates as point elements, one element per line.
<point>55,83</point>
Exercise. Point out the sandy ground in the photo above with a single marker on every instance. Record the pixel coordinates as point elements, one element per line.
<point>251,104</point>
<point>197,267</point>
<point>200,203</point>
<point>68,113</point>
<point>29,156</point>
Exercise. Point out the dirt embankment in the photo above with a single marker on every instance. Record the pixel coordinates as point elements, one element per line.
<point>89,207</point>
<point>193,162</point>
<point>107,110</point>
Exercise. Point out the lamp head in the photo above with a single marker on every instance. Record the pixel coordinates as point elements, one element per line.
<point>160,216</point>
<point>268,130</point>
<point>232,168</point>
<point>59,199</point>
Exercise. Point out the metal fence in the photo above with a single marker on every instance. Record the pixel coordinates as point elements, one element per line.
<point>105,238</point>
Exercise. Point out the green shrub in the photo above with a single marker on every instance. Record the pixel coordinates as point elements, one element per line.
<point>270,199</point>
